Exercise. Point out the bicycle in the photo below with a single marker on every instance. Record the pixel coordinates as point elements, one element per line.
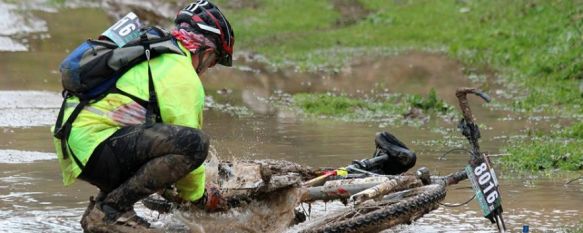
<point>379,201</point>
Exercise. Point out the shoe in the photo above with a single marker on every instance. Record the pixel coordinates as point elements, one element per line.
<point>129,218</point>
<point>102,218</point>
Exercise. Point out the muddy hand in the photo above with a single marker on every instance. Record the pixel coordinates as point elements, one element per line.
<point>213,200</point>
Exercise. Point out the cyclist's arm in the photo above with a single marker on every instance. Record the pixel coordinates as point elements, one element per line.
<point>181,102</point>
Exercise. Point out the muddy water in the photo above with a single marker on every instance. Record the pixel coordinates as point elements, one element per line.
<point>32,198</point>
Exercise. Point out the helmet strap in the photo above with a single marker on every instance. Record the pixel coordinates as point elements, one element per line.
<point>201,63</point>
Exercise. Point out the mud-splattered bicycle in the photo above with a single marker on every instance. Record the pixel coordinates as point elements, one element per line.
<point>378,201</point>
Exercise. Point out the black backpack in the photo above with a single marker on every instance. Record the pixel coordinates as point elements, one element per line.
<point>91,71</point>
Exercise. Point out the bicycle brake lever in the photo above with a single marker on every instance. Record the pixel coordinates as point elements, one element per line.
<point>483,95</point>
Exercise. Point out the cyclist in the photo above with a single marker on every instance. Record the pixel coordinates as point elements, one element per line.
<point>128,159</point>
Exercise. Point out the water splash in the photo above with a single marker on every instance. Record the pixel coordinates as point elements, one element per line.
<point>273,214</point>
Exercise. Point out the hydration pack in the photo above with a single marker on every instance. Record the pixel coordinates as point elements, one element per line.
<point>91,71</point>
<point>94,67</point>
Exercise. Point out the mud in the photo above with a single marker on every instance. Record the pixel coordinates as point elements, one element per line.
<point>240,4</point>
<point>20,24</point>
<point>350,12</point>
<point>150,12</point>
<point>416,72</point>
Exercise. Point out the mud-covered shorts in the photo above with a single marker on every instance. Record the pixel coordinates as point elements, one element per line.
<point>123,154</point>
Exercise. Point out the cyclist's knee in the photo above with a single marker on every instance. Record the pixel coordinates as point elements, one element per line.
<point>173,139</point>
<point>194,143</point>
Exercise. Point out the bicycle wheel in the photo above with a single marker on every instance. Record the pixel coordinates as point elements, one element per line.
<point>384,214</point>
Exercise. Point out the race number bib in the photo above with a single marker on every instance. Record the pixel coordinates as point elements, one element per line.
<point>485,185</point>
<point>124,30</point>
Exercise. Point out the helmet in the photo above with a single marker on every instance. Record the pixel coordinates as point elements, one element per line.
<point>204,17</point>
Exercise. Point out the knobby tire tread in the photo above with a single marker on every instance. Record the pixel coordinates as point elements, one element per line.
<point>389,215</point>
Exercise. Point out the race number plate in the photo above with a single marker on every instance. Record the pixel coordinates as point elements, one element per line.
<point>124,30</point>
<point>485,185</point>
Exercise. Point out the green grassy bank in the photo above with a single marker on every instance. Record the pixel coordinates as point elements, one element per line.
<point>353,108</point>
<point>576,229</point>
<point>562,149</point>
<point>536,46</point>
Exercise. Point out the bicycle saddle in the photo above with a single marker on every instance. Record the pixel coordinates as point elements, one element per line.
<point>399,157</point>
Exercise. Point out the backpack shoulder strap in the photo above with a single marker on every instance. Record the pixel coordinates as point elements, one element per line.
<point>63,130</point>
<point>153,113</point>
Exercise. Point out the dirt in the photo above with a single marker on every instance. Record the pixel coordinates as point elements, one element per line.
<point>350,12</point>
<point>411,72</point>
<point>151,12</point>
<point>240,4</point>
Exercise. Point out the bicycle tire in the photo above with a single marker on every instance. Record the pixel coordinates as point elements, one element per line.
<point>384,214</point>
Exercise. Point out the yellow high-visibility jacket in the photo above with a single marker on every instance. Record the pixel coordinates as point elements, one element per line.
<point>180,96</point>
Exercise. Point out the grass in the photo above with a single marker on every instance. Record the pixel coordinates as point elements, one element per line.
<point>429,103</point>
<point>327,105</point>
<point>351,108</point>
<point>534,43</point>
<point>575,131</point>
<point>576,229</point>
<point>559,150</point>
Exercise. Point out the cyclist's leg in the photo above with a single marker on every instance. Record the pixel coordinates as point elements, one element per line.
<point>137,161</point>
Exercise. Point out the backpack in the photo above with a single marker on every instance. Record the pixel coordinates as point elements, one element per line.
<point>91,71</point>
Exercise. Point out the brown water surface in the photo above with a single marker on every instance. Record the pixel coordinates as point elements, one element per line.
<point>33,199</point>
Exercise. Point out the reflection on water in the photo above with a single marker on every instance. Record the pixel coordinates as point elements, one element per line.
<point>32,198</point>
<point>15,22</point>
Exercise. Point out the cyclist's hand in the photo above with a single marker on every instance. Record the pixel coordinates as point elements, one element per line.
<point>212,199</point>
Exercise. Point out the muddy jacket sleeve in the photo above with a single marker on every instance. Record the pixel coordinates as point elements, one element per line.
<point>181,101</point>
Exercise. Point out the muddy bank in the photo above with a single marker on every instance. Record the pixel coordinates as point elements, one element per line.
<point>411,72</point>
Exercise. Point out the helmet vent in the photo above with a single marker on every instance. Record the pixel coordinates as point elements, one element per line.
<point>209,28</point>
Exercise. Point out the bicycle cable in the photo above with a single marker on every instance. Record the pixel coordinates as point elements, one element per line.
<point>455,205</point>
<point>442,157</point>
